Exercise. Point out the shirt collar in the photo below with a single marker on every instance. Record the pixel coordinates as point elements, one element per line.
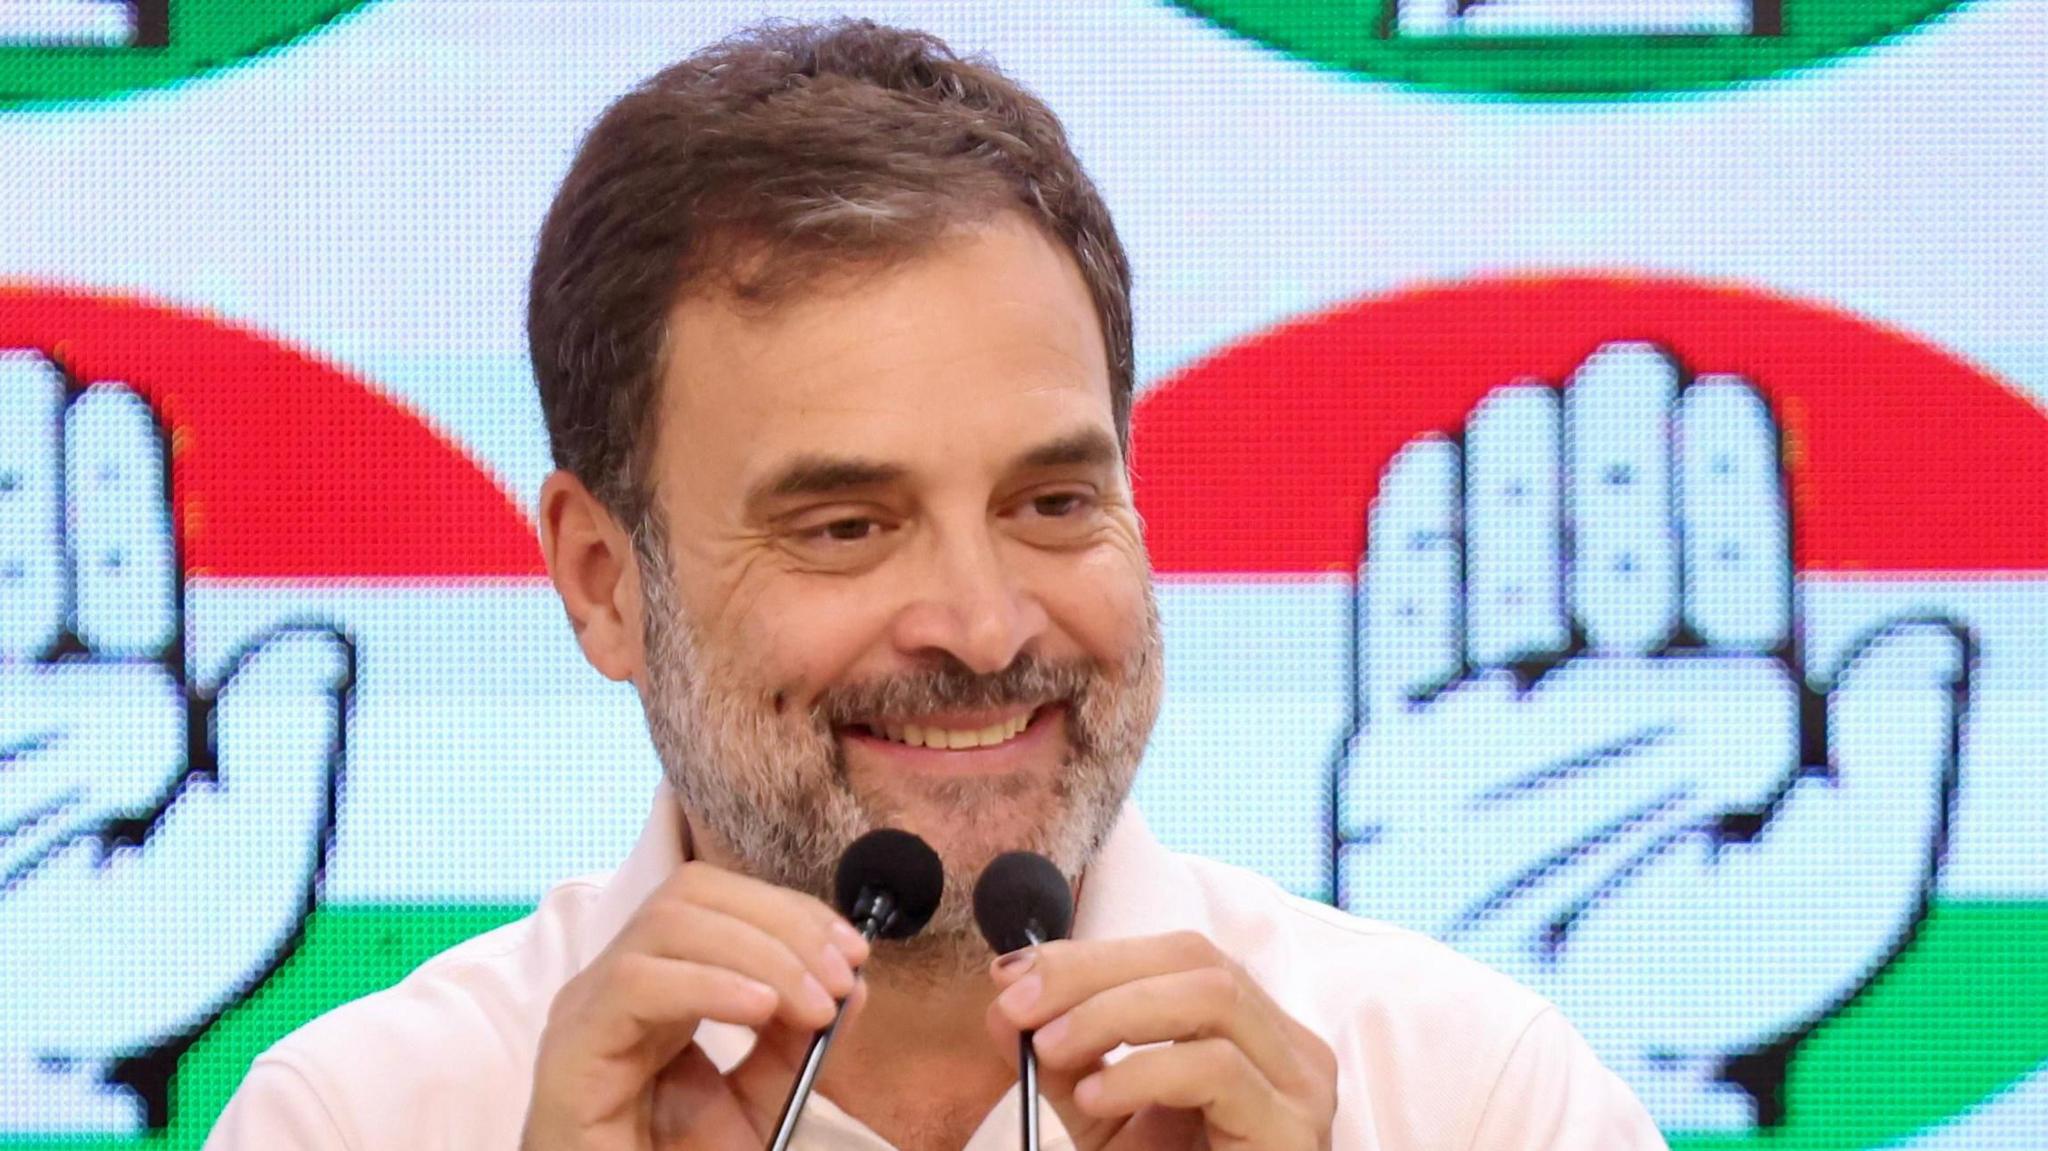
<point>663,846</point>
<point>1136,887</point>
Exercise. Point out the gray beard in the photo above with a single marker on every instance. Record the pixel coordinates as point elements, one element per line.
<point>770,786</point>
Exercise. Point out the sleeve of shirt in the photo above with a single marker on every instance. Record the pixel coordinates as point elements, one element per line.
<point>1554,1094</point>
<point>275,1108</point>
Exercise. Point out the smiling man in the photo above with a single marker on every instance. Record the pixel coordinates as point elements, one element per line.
<point>834,343</point>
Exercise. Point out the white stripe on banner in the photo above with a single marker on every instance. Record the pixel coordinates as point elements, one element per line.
<point>486,760</point>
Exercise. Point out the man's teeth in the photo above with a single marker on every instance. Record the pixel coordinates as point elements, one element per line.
<point>949,739</point>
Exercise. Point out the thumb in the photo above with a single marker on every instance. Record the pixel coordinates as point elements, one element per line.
<point>762,1081</point>
<point>693,1108</point>
<point>1055,1085</point>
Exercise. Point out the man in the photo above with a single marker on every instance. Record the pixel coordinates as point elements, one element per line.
<point>833,338</point>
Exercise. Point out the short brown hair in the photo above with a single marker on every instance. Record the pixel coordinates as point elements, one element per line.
<point>783,153</point>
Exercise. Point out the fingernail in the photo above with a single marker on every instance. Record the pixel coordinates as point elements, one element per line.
<point>816,996</point>
<point>1088,1090</point>
<point>851,943</point>
<point>1016,962</point>
<point>838,972</point>
<point>1021,995</point>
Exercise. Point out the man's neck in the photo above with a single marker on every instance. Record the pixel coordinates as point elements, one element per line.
<point>917,1065</point>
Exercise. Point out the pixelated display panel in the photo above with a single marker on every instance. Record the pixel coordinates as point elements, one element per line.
<point>1594,456</point>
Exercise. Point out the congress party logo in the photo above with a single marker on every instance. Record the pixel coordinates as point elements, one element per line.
<point>1744,771</point>
<point>1600,736</point>
<point>163,825</point>
<point>1570,49</point>
<point>61,50</point>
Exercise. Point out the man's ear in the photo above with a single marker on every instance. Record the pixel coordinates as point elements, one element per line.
<point>590,559</point>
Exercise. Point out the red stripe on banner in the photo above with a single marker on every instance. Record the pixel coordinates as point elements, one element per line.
<point>1262,458</point>
<point>282,466</point>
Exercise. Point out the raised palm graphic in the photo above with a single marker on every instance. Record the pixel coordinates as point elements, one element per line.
<point>159,845</point>
<point>1589,749</point>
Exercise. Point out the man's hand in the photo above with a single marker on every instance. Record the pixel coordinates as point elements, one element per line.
<point>1221,1065</point>
<point>618,1067</point>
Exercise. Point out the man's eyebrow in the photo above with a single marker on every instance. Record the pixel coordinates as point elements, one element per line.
<point>822,475</point>
<point>819,475</point>
<point>1091,447</point>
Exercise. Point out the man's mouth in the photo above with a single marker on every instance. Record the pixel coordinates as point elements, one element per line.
<point>953,733</point>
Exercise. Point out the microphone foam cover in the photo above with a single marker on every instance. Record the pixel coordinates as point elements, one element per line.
<point>895,861</point>
<point>1020,891</point>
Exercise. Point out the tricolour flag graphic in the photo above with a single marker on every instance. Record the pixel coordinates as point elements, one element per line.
<point>1693,670</point>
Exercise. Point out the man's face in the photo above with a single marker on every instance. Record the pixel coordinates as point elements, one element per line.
<point>900,579</point>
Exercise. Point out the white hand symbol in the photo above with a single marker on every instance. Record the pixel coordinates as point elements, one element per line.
<point>1589,752</point>
<point>159,845</point>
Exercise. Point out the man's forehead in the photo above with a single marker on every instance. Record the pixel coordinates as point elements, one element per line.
<point>993,341</point>
<point>1005,278</point>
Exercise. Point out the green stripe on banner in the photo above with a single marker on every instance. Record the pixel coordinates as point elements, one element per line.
<point>1962,1014</point>
<point>1462,55</point>
<point>348,951</point>
<point>200,36</point>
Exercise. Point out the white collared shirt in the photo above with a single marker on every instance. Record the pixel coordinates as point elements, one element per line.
<point>1434,1051</point>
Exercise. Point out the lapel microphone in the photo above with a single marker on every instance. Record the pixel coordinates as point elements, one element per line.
<point>1022,900</point>
<point>887,885</point>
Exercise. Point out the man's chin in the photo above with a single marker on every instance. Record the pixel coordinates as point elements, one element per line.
<point>969,823</point>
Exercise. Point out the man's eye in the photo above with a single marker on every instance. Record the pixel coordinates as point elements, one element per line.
<point>1058,504</point>
<point>846,531</point>
<point>840,542</point>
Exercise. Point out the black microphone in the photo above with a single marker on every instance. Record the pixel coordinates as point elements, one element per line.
<point>888,886</point>
<point>1022,900</point>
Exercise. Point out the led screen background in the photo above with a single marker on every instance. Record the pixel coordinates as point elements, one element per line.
<point>1567,430</point>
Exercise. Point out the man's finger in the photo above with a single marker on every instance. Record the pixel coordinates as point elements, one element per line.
<point>1208,1002</point>
<point>1624,562</point>
<point>679,929</point>
<point>122,557</point>
<point>1212,1076</point>
<point>1055,1084</point>
<point>762,1080</point>
<point>1514,598</point>
<point>31,507</point>
<point>1413,639</point>
<point>694,1107</point>
<point>1181,972</point>
<point>641,995</point>
<point>1731,514</point>
<point>819,939</point>
<point>1060,974</point>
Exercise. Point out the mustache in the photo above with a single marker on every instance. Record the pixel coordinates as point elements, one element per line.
<point>1029,681</point>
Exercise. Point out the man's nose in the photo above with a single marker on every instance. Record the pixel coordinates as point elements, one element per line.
<point>968,602</point>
